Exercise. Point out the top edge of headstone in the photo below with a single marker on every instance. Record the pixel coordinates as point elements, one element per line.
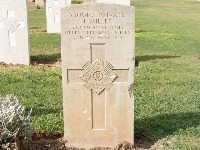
<point>13,4</point>
<point>98,5</point>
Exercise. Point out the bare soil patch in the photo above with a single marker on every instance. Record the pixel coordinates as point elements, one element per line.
<point>37,31</point>
<point>46,63</point>
<point>54,141</point>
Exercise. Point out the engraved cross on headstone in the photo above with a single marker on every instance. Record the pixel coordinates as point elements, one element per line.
<point>55,9</point>
<point>98,76</point>
<point>12,25</point>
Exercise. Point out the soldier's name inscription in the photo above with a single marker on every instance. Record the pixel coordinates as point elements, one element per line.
<point>98,26</point>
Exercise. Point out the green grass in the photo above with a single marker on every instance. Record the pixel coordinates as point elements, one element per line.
<point>45,44</point>
<point>171,27</point>
<point>38,88</point>
<point>167,81</point>
<point>37,19</point>
<point>167,102</point>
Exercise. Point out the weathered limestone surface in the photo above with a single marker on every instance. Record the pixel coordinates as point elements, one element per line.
<point>39,2</point>
<point>14,46</point>
<point>122,2</point>
<point>53,14</point>
<point>97,74</point>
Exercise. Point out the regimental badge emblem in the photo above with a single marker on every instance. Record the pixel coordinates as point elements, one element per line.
<point>98,75</point>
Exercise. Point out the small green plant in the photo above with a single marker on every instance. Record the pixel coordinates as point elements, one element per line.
<point>38,7</point>
<point>14,123</point>
<point>77,1</point>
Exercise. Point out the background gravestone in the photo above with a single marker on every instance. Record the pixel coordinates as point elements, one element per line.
<point>39,2</point>
<point>122,2</point>
<point>14,47</point>
<point>53,14</point>
<point>97,74</point>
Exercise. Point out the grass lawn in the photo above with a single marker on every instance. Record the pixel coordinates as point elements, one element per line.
<point>167,80</point>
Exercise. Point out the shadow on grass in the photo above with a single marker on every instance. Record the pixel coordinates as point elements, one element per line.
<point>46,57</point>
<point>38,111</point>
<point>150,130</point>
<point>153,57</point>
<point>51,59</point>
<point>43,111</point>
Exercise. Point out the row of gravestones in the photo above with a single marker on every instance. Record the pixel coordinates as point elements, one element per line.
<point>97,48</point>
<point>14,47</point>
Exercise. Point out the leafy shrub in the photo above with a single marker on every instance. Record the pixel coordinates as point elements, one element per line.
<point>14,123</point>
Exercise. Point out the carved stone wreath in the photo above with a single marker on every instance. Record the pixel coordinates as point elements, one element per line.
<point>98,76</point>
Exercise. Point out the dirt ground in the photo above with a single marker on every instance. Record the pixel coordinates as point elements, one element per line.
<point>54,141</point>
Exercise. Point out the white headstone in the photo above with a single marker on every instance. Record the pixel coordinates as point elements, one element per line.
<point>97,74</point>
<point>53,14</point>
<point>14,47</point>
